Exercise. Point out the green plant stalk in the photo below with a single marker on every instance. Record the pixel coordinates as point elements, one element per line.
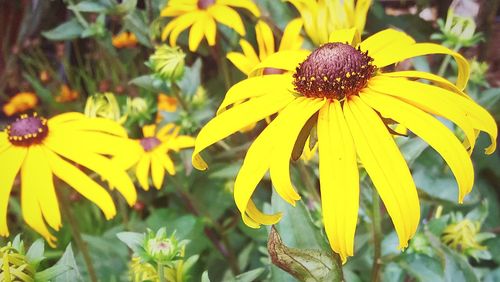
<point>177,93</point>
<point>221,64</point>
<point>446,61</point>
<point>161,273</point>
<point>77,236</point>
<point>377,236</point>
<point>308,182</point>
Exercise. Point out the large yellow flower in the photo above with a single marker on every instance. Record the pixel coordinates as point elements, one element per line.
<point>322,17</point>
<point>341,89</point>
<point>247,60</point>
<point>202,16</point>
<point>39,148</point>
<point>154,148</point>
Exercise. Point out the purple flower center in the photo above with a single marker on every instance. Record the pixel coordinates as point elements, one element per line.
<point>203,4</point>
<point>149,143</point>
<point>26,131</point>
<point>335,71</point>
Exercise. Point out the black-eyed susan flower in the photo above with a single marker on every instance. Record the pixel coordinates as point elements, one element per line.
<point>247,60</point>
<point>37,148</point>
<point>154,158</point>
<point>322,17</point>
<point>202,16</point>
<point>21,102</point>
<point>341,88</point>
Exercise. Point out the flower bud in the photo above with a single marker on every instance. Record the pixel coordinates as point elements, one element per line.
<point>168,62</point>
<point>163,249</point>
<point>103,105</point>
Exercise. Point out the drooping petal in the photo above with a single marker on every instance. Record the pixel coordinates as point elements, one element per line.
<point>168,164</point>
<point>287,60</point>
<point>245,4</point>
<point>384,40</point>
<point>339,179</point>
<point>257,86</point>
<point>157,171</point>
<point>40,176</point>
<point>100,125</point>
<point>386,167</point>
<point>432,131</point>
<point>197,32</point>
<point>300,111</point>
<point>4,142</point>
<point>265,39</point>
<point>182,142</point>
<point>63,118</point>
<point>351,36</point>
<point>461,110</point>
<point>291,39</point>
<point>389,56</point>
<point>362,7</point>
<point>436,79</point>
<point>11,161</point>
<point>210,31</point>
<point>83,184</point>
<point>174,10</point>
<point>178,25</point>
<point>142,171</point>
<point>227,16</point>
<point>241,62</point>
<point>235,119</point>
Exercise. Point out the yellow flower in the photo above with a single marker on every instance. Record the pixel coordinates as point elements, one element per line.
<point>153,156</point>
<point>124,40</point>
<point>66,94</point>
<point>38,148</point>
<point>322,17</point>
<point>341,88</point>
<point>21,102</point>
<point>462,235</point>
<point>247,60</point>
<point>202,16</point>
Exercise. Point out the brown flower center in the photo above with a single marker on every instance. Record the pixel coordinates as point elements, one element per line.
<point>335,71</point>
<point>149,143</point>
<point>203,4</point>
<point>27,130</point>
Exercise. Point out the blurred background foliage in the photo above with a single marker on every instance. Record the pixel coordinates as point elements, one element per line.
<point>95,56</point>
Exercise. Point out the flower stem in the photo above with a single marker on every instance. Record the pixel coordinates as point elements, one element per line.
<point>77,236</point>
<point>308,182</point>
<point>177,93</point>
<point>446,61</point>
<point>161,273</point>
<point>377,236</point>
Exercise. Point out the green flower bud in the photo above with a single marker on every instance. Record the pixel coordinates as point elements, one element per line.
<point>168,62</point>
<point>14,265</point>
<point>478,72</point>
<point>137,106</point>
<point>104,105</point>
<point>458,30</point>
<point>162,249</point>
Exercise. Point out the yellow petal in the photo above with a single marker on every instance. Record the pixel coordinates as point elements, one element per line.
<point>157,171</point>
<point>182,142</point>
<point>297,112</point>
<point>142,171</point>
<point>197,32</point>
<point>361,10</point>
<point>461,110</point>
<point>386,166</point>
<point>63,118</point>
<point>245,4</point>
<point>4,142</point>
<point>168,164</point>
<point>235,119</point>
<point>227,16</point>
<point>40,178</point>
<point>308,11</point>
<point>437,80</point>
<point>265,39</point>
<point>210,31</point>
<point>240,62</point>
<point>287,60</point>
<point>249,52</point>
<point>267,219</point>
<point>385,40</point>
<point>173,10</point>
<point>291,39</point>
<point>165,131</point>
<point>11,160</point>
<point>149,130</point>
<point>351,36</point>
<point>339,179</point>
<point>83,184</point>
<point>432,131</point>
<point>389,56</point>
<point>178,25</point>
<point>257,86</point>
<point>101,125</point>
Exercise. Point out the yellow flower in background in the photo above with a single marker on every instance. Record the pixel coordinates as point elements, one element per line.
<point>462,235</point>
<point>340,88</point>
<point>66,94</point>
<point>247,60</point>
<point>21,102</point>
<point>38,148</point>
<point>201,16</point>
<point>153,157</point>
<point>124,40</point>
<point>322,17</point>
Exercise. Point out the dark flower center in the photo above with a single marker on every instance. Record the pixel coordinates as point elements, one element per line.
<point>149,143</point>
<point>203,4</point>
<point>335,71</point>
<point>27,130</point>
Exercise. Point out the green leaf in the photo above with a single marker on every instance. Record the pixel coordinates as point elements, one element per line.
<point>422,267</point>
<point>35,253</point>
<point>204,277</point>
<point>89,6</point>
<point>69,30</point>
<point>132,239</point>
<point>251,275</point>
<point>191,79</point>
<point>68,260</point>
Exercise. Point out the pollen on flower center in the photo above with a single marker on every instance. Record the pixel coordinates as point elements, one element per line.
<point>149,143</point>
<point>335,71</point>
<point>27,130</point>
<point>203,4</point>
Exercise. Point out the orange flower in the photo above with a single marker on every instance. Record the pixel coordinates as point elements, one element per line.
<point>166,104</point>
<point>66,94</point>
<point>44,76</point>
<point>21,102</point>
<point>124,40</point>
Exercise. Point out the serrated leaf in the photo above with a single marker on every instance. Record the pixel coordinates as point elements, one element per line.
<point>66,31</point>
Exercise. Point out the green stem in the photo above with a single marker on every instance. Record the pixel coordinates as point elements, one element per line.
<point>177,93</point>
<point>377,237</point>
<point>77,236</point>
<point>222,64</point>
<point>161,273</point>
<point>308,182</point>
<point>78,15</point>
<point>446,61</point>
